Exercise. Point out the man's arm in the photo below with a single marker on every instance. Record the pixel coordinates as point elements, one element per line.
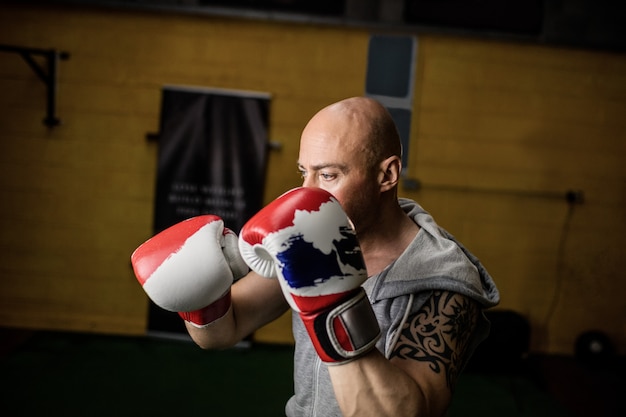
<point>255,300</point>
<point>419,377</point>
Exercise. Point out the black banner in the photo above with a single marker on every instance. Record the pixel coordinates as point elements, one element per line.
<point>212,160</point>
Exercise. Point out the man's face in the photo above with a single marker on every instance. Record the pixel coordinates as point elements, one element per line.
<point>330,159</point>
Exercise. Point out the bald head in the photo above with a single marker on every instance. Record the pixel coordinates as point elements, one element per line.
<point>363,125</point>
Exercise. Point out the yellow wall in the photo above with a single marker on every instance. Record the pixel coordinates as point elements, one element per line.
<point>498,128</point>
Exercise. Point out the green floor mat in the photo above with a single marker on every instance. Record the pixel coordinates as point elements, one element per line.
<point>82,375</point>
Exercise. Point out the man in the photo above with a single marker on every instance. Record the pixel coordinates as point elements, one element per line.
<point>426,291</point>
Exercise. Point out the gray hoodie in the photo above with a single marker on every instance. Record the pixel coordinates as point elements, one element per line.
<point>435,260</point>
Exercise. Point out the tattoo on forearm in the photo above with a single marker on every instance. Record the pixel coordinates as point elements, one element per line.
<point>439,334</point>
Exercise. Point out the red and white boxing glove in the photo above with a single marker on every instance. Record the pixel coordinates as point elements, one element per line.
<point>189,267</point>
<point>305,239</point>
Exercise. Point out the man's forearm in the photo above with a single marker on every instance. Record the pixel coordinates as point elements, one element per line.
<point>256,301</point>
<point>220,334</point>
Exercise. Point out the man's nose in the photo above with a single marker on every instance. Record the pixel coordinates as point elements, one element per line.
<point>307,181</point>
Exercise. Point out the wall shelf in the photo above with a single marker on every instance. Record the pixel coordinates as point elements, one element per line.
<point>47,73</point>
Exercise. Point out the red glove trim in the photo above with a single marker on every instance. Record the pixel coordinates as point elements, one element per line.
<point>208,314</point>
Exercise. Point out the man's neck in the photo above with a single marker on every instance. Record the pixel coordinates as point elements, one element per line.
<point>386,240</point>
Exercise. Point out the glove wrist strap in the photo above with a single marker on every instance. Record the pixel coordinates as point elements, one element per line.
<point>345,332</point>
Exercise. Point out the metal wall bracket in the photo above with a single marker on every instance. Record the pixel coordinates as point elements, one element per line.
<point>47,73</point>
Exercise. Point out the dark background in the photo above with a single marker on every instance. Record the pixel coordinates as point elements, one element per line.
<point>587,24</point>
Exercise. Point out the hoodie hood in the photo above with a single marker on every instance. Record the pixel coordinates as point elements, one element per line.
<point>435,260</point>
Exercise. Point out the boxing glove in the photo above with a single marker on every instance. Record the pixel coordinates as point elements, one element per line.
<point>189,267</point>
<point>305,239</point>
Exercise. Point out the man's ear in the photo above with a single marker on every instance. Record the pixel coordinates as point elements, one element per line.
<point>390,170</point>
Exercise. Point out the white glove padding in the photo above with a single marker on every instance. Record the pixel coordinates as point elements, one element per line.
<point>190,265</point>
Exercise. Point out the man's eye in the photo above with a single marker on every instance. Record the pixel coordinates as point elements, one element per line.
<point>327,176</point>
<point>302,173</point>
